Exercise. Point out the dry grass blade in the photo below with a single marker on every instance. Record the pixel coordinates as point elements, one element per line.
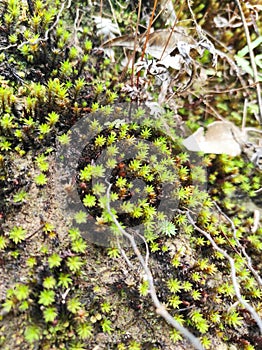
<point>148,29</point>
<point>126,41</point>
<point>252,59</point>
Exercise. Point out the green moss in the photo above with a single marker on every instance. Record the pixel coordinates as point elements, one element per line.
<point>54,72</point>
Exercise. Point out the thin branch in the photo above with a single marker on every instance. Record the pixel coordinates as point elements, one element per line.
<point>135,42</point>
<point>146,245</point>
<point>101,8</point>
<point>35,232</point>
<point>160,309</point>
<point>230,90</point>
<point>148,30</point>
<point>249,261</point>
<point>233,272</point>
<point>252,59</point>
<point>147,38</point>
<point>256,221</point>
<point>124,255</point>
<point>244,118</point>
<point>114,16</point>
<point>172,30</point>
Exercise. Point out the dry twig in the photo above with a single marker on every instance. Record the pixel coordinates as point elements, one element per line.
<point>252,59</point>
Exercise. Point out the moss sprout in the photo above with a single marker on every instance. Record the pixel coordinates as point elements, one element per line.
<point>17,234</point>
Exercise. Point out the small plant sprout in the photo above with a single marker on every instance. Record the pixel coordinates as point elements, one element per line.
<point>46,297</point>
<point>50,314</point>
<point>52,118</point>
<point>41,179</point>
<point>134,345</point>
<point>89,201</point>
<point>199,321</point>
<point>49,282</point>
<point>168,228</point>
<point>31,262</point>
<point>3,242</point>
<point>44,129</point>
<point>17,234</point>
<point>233,319</point>
<point>74,263</point>
<point>74,233</point>
<point>113,252</point>
<point>79,245</point>
<point>174,285</point>
<point>143,288</point>
<point>32,333</point>
<point>64,280</point>
<point>84,330</point>
<point>88,45</point>
<point>91,171</point>
<point>66,69</point>
<point>42,163</point>
<point>105,307</point>
<point>196,295</point>
<point>106,326</point>
<point>7,121</point>
<point>22,291</point>
<point>206,342</point>
<point>64,139</point>
<point>175,336</point>
<point>73,305</point>
<point>20,197</point>
<point>54,260</point>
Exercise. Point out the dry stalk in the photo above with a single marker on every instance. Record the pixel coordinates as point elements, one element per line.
<point>252,59</point>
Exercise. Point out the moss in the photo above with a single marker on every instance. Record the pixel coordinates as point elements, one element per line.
<point>62,291</point>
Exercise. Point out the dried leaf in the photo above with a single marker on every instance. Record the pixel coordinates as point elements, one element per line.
<point>126,41</point>
<point>220,137</point>
<point>168,12</point>
<point>156,42</point>
<point>175,62</point>
<point>158,39</point>
<point>106,28</point>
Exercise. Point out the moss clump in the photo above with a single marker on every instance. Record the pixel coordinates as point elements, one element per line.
<point>62,291</point>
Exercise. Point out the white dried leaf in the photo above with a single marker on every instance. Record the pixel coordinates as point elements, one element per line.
<point>106,28</point>
<point>184,50</point>
<point>168,12</point>
<point>155,108</point>
<point>257,157</point>
<point>115,123</point>
<point>157,42</point>
<point>163,91</point>
<point>175,62</point>
<point>110,53</point>
<point>220,138</point>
